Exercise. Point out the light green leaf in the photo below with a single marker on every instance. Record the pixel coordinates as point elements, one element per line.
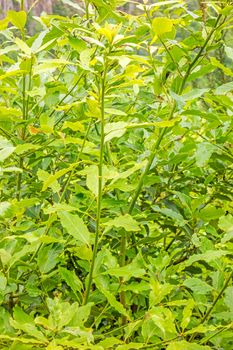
<point>44,176</point>
<point>219,65</point>
<point>184,345</point>
<point>134,269</point>
<point>112,300</point>
<point>114,111</point>
<point>210,212</point>
<point>194,93</point>
<point>228,297</point>
<point>109,342</point>
<point>3,281</point>
<point>7,113</point>
<point>23,46</point>
<point>197,285</point>
<point>171,214</point>
<point>225,223</point>
<point>208,256</point>
<point>161,25</point>
<point>17,18</point>
<point>4,23</point>
<point>92,179</point>
<point>51,179</point>
<point>6,148</point>
<point>130,346</point>
<point>113,130</point>
<point>4,207</point>
<point>25,147</point>
<point>159,291</point>
<point>223,89</point>
<point>25,323</point>
<point>75,126</point>
<point>75,227</point>
<point>48,257</point>
<point>125,221</point>
<point>229,52</point>
<point>187,313</point>
<point>203,153</point>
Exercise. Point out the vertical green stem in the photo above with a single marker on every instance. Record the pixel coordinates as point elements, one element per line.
<point>87,9</point>
<point>100,185</point>
<point>22,5</point>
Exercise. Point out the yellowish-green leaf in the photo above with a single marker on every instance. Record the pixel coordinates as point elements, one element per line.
<point>125,221</point>
<point>4,23</point>
<point>75,126</point>
<point>161,25</point>
<point>187,313</point>
<point>18,18</point>
<point>23,46</point>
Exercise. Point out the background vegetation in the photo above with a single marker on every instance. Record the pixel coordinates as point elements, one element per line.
<point>116,173</point>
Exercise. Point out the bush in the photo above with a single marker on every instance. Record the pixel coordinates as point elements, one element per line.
<point>116,179</point>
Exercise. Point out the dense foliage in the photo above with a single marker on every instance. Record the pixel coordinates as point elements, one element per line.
<point>116,178</point>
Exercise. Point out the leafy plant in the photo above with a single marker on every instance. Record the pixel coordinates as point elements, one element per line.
<point>116,178</point>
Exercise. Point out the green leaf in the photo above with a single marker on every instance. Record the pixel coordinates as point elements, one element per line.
<point>6,148</point>
<point>48,257</point>
<point>109,342</point>
<point>219,65</point>
<point>71,279</point>
<point>25,322</point>
<point>92,178</point>
<point>229,51</point>
<point>25,147</point>
<point>161,25</point>
<point>178,218</point>
<point>224,88</point>
<point>23,46</point>
<point>4,208</point>
<point>125,221</point>
<point>228,297</point>
<point>197,285</point>
<point>159,291</point>
<point>194,93</point>
<point>225,223</point>
<point>184,345</point>
<point>113,130</point>
<point>203,153</point>
<point>3,281</point>
<point>112,300</point>
<point>8,113</point>
<point>210,212</point>
<point>208,256</point>
<point>130,346</point>
<point>134,269</point>
<point>75,227</point>
<point>187,313</point>
<point>44,176</point>
<point>52,179</point>
<point>17,18</point>
<point>4,23</point>
<point>75,126</point>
